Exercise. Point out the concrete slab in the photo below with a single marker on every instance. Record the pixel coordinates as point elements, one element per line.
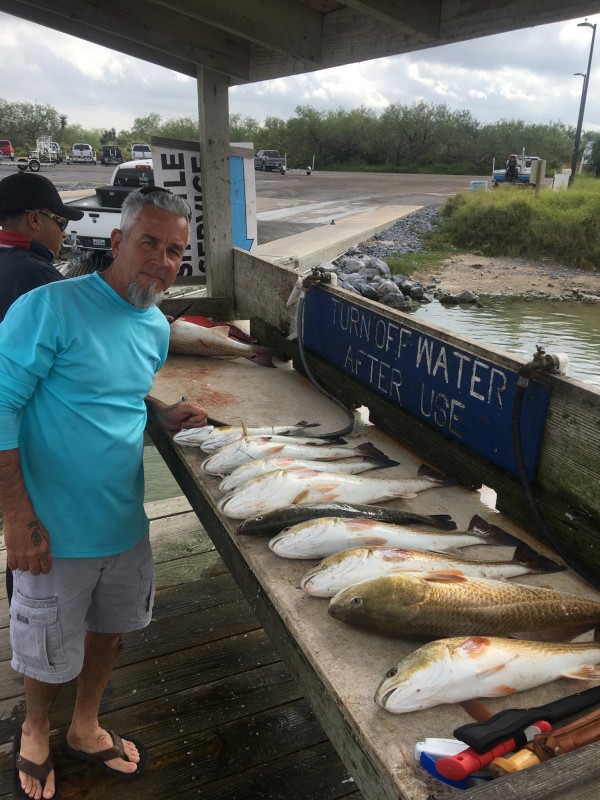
<point>325,242</point>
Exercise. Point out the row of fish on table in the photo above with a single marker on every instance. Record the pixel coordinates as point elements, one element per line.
<point>398,573</point>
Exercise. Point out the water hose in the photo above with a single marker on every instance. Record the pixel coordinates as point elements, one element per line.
<point>323,277</point>
<point>548,363</point>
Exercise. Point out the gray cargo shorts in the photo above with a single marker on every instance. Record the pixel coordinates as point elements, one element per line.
<point>50,614</point>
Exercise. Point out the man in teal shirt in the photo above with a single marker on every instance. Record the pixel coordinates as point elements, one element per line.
<point>77,362</point>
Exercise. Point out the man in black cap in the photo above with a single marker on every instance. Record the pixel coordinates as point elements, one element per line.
<point>33,220</point>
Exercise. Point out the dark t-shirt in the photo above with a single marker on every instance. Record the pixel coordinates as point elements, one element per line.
<point>23,268</point>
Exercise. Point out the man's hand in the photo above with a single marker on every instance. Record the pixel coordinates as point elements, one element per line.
<point>27,545</point>
<point>184,414</point>
<point>27,540</point>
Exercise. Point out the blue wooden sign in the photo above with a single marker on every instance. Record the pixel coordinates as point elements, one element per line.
<point>458,392</point>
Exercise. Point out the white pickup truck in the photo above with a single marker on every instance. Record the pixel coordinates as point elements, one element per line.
<point>102,210</point>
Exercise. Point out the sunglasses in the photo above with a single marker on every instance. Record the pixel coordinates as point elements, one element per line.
<point>146,190</point>
<point>62,222</point>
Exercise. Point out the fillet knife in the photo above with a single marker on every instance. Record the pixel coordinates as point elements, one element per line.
<point>509,724</point>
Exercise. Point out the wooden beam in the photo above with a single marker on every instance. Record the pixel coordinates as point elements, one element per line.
<point>469,19</point>
<point>213,104</point>
<point>50,19</point>
<point>158,30</point>
<point>284,26</point>
<point>421,18</point>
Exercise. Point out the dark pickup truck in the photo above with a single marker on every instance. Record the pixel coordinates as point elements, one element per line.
<point>268,160</point>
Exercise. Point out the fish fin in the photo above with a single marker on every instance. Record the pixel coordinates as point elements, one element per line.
<point>425,471</point>
<point>443,521</point>
<point>245,434</point>
<point>445,576</point>
<point>566,633</point>
<point>368,449</point>
<point>492,533</point>
<point>372,541</point>
<point>263,357</point>
<point>274,448</point>
<point>381,463</point>
<point>406,495</point>
<point>300,498</point>
<point>221,330</point>
<point>587,672</point>
<point>534,561</point>
<point>501,690</point>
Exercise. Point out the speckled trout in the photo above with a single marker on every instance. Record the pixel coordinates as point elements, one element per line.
<point>358,564</point>
<point>459,669</point>
<point>446,605</point>
<point>299,486</point>
<point>213,438</point>
<point>318,538</point>
<point>252,447</point>
<point>224,435</point>
<point>274,522</point>
<point>262,466</point>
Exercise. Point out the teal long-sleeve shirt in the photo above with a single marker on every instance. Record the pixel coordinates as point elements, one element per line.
<point>76,362</point>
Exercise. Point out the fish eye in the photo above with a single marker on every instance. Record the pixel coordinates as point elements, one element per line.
<point>258,519</point>
<point>356,601</point>
<point>391,672</point>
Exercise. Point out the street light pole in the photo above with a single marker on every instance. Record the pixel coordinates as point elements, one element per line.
<point>586,80</point>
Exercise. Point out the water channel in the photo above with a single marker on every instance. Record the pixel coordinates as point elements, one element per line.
<point>514,326</point>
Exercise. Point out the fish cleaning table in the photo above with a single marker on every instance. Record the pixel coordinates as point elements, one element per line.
<point>338,667</point>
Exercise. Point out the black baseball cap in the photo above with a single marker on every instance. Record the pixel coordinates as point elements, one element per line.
<point>25,191</point>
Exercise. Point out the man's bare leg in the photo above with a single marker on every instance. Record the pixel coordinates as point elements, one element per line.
<point>85,732</point>
<point>35,737</point>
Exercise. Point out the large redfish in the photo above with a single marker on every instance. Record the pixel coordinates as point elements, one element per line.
<point>459,669</point>
<point>321,537</point>
<point>195,340</point>
<point>357,564</point>
<point>276,489</point>
<point>429,606</point>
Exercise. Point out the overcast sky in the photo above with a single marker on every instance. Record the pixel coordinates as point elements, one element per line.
<point>526,74</point>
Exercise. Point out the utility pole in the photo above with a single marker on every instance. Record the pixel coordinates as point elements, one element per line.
<point>586,80</point>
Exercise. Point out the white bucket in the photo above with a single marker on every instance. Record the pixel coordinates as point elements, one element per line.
<point>561,183</point>
<point>476,186</point>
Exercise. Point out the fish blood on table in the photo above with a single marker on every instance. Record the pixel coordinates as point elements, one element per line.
<point>458,669</point>
<point>318,538</point>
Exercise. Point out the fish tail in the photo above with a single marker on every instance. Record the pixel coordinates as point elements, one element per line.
<point>368,449</point>
<point>492,533</point>
<point>379,462</point>
<point>263,356</point>
<point>443,521</point>
<point>535,561</point>
<point>425,471</point>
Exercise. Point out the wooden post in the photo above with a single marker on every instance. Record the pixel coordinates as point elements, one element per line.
<point>213,105</point>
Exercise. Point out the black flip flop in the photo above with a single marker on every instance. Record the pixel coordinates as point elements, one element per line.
<point>116,751</point>
<point>39,771</point>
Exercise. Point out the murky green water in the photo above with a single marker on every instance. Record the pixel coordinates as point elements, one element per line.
<point>514,326</point>
<point>519,326</point>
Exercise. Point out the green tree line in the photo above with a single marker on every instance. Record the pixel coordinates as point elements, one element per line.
<point>403,138</point>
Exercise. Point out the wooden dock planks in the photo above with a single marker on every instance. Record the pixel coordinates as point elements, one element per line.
<point>202,687</point>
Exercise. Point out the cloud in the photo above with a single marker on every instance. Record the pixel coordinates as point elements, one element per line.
<point>526,74</point>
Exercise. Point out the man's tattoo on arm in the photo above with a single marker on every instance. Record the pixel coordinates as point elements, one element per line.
<point>37,535</point>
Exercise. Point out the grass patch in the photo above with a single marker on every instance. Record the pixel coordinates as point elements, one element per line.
<point>408,263</point>
<point>563,226</point>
